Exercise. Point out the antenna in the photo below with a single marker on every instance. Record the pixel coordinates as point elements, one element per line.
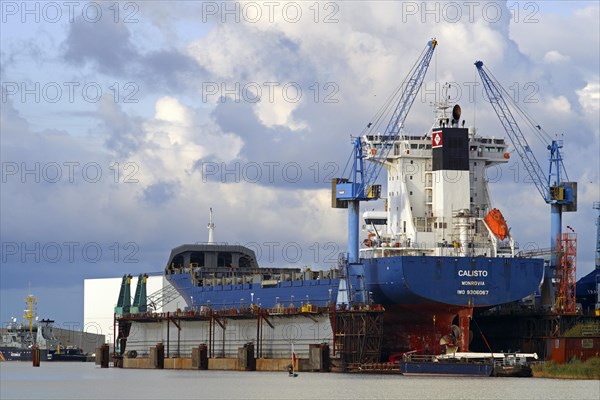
<point>211,229</point>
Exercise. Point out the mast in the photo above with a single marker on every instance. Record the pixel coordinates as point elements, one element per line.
<point>29,311</point>
<point>211,229</point>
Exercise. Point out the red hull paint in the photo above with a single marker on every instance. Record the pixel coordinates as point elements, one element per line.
<point>419,327</point>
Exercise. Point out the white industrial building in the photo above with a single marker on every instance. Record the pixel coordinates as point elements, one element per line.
<point>101,295</point>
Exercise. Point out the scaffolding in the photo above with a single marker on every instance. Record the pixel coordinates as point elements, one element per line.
<point>566,249</point>
<point>358,335</point>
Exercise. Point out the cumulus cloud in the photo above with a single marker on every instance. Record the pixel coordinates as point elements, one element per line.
<point>554,56</point>
<point>105,43</point>
<point>111,49</point>
<point>589,98</point>
<point>559,104</point>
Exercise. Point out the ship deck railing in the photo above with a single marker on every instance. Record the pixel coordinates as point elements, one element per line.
<point>253,311</point>
<point>381,367</point>
<point>430,358</point>
<point>419,358</point>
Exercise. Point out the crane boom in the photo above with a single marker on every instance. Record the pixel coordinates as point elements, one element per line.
<point>360,185</point>
<point>411,87</point>
<point>493,90</point>
<point>562,196</point>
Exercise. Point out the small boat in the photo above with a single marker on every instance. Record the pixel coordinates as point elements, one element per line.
<point>512,371</point>
<point>71,353</point>
<point>514,365</point>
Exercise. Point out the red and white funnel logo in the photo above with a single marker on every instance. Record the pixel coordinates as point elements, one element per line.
<point>436,139</point>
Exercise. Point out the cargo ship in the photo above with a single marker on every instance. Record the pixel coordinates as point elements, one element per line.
<point>436,251</point>
<point>440,248</point>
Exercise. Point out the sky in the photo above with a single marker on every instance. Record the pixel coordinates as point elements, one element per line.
<point>122,123</point>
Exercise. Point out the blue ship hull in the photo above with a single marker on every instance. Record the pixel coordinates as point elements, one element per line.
<point>14,354</point>
<point>320,292</point>
<point>451,281</point>
<point>401,280</point>
<point>446,368</point>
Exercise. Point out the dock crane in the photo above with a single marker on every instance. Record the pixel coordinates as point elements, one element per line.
<point>596,206</point>
<point>559,193</point>
<point>360,183</point>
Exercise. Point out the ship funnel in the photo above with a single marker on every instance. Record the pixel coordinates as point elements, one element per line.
<point>211,229</point>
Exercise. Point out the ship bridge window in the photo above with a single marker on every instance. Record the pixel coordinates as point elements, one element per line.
<point>178,261</point>
<point>376,221</point>
<point>414,146</point>
<point>494,149</point>
<point>245,262</point>
<point>224,260</point>
<point>197,258</point>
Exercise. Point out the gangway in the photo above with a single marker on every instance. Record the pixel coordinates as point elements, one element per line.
<point>162,297</point>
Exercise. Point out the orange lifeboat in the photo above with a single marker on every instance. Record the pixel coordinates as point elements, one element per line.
<point>370,242</point>
<point>495,220</point>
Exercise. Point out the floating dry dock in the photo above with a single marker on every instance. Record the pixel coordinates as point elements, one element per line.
<point>252,338</point>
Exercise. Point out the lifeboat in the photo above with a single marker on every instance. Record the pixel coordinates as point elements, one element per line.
<point>497,224</point>
<point>370,242</point>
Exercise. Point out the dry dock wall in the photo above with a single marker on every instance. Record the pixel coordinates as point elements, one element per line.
<point>276,336</point>
<point>223,364</point>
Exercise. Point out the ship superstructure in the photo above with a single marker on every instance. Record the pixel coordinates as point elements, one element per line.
<point>437,193</point>
<point>222,276</point>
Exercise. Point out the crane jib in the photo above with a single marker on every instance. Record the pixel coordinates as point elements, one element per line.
<point>396,123</point>
<point>360,186</point>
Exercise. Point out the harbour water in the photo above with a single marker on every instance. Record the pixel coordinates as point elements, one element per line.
<point>19,380</point>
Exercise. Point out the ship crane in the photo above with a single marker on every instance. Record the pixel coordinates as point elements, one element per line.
<point>596,206</point>
<point>359,185</point>
<point>553,187</point>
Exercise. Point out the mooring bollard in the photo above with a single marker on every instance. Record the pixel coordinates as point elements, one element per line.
<point>104,355</point>
<point>35,355</point>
